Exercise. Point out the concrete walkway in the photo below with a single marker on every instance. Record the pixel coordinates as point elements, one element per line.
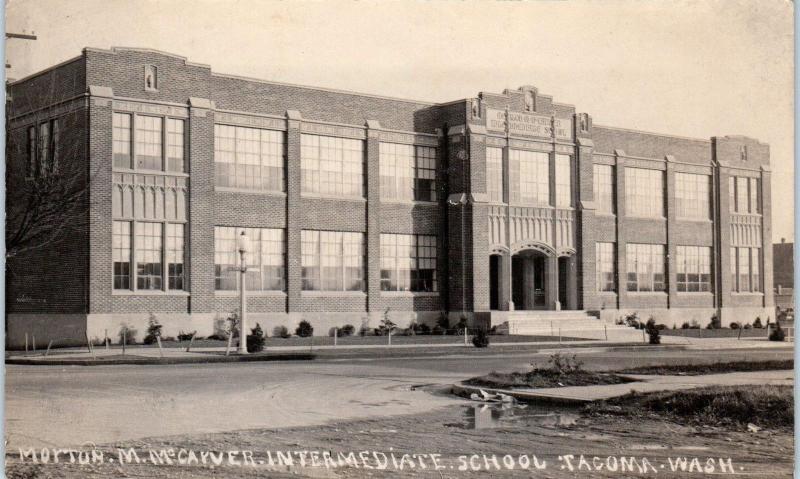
<point>643,384</point>
<point>199,354</point>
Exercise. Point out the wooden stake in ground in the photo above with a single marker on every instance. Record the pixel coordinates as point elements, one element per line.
<point>48,348</point>
<point>124,339</point>
<point>33,343</point>
<point>26,343</point>
<point>91,349</point>
<point>191,341</point>
<point>228,347</point>
<point>160,349</point>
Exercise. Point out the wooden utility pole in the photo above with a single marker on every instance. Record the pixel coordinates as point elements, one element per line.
<point>20,36</point>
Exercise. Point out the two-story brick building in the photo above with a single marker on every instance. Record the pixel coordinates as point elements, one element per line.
<point>492,207</point>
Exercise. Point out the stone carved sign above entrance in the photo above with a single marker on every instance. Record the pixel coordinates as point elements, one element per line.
<point>528,124</point>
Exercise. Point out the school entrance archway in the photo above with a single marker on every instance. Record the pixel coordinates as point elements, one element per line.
<point>532,279</point>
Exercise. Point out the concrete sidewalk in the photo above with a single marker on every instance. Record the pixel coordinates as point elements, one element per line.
<point>643,384</point>
<point>152,355</point>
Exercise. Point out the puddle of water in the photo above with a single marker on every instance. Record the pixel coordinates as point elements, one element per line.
<point>488,416</point>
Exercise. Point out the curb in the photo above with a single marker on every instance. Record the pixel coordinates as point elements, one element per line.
<point>140,360</point>
<point>461,389</point>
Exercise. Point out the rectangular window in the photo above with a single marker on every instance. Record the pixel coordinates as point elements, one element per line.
<point>332,260</point>
<point>645,264</point>
<point>605,261</point>
<point>32,158</point>
<point>149,142</point>
<point>531,184</point>
<point>692,196</point>
<point>121,252</point>
<point>693,267</point>
<point>121,140</point>
<point>175,145</point>
<point>604,189</point>
<point>249,158</point>
<point>265,261</point>
<point>494,174</point>
<point>175,234</point>
<point>644,192</point>
<point>44,148</point>
<point>754,204</point>
<point>563,181</point>
<point>732,193</point>
<point>742,195</point>
<point>744,269</point>
<point>408,262</point>
<point>425,174</point>
<point>148,239</point>
<point>397,171</point>
<point>332,166</point>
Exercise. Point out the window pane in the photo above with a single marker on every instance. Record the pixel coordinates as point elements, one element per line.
<point>644,192</point>
<point>332,260</point>
<point>494,174</point>
<point>121,252</point>
<point>175,247</point>
<point>148,256</point>
<point>249,158</point>
<point>333,166</point>
<point>645,265</point>
<point>148,142</point>
<point>693,267</point>
<point>563,181</point>
<point>266,259</point>
<point>692,196</point>
<point>604,188</point>
<point>175,145</point>
<point>605,261</point>
<point>532,180</point>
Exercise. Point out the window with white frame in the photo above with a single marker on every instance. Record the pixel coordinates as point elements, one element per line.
<point>530,177</point>
<point>644,192</point>
<point>645,267</point>
<point>563,181</point>
<point>693,267</point>
<point>141,243</point>
<point>604,188</point>
<point>249,158</point>
<point>148,142</point>
<point>121,140</point>
<point>265,261</point>
<point>332,166</point>
<point>408,262</point>
<point>745,270</point>
<point>407,172</point>
<point>175,145</point>
<point>692,196</point>
<point>744,194</point>
<point>605,263</point>
<point>332,260</point>
<point>494,174</point>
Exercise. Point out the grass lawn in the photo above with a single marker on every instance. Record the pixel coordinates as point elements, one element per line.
<point>730,406</point>
<point>716,333</point>
<point>544,378</point>
<point>715,368</point>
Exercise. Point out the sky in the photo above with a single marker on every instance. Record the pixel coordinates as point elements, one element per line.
<point>688,68</point>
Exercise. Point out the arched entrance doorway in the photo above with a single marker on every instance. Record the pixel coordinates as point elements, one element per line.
<point>529,280</point>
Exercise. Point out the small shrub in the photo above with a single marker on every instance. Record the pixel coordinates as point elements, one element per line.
<point>694,324</point>
<point>747,326</point>
<point>422,328</point>
<point>280,332</point>
<point>153,330</point>
<point>460,326</point>
<point>685,325</point>
<point>653,331</point>
<point>757,323</point>
<point>387,326</point>
<point>438,330</point>
<point>674,326</point>
<point>186,336</point>
<point>480,339</point>
<point>347,330</point>
<point>128,333</point>
<point>304,329</point>
<point>661,327</point>
<point>715,323</point>
<point>443,321</point>
<point>233,324</point>
<point>255,340</point>
<point>735,325</point>
<point>168,338</point>
<point>777,334</point>
<point>364,329</point>
<point>563,364</point>
<point>632,320</point>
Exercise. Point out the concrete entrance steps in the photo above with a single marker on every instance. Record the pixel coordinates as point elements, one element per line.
<point>565,323</point>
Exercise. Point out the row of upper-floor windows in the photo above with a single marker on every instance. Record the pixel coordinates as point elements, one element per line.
<point>149,256</point>
<point>528,178</point>
<point>44,148</point>
<point>743,195</point>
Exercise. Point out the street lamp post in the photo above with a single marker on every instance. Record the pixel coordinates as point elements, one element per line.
<point>243,244</point>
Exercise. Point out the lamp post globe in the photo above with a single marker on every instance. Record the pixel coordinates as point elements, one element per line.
<point>243,245</point>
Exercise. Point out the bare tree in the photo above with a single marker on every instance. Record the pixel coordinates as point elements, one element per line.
<point>46,152</point>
